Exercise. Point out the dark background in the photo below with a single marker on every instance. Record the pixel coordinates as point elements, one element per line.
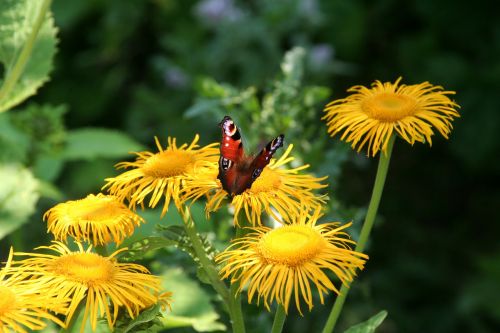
<point>434,253</point>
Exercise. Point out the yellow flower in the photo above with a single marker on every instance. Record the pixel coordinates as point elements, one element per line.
<point>160,174</point>
<point>281,193</point>
<point>370,116</point>
<point>278,264</point>
<point>105,284</point>
<point>98,218</point>
<point>22,304</point>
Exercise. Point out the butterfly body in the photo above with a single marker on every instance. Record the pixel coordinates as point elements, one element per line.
<point>237,171</point>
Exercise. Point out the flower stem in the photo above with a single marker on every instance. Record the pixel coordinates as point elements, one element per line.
<point>235,306</point>
<point>208,265</point>
<point>13,75</point>
<point>378,187</point>
<point>279,319</point>
<point>235,295</point>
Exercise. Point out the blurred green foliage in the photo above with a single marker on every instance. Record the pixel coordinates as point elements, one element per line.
<point>129,70</point>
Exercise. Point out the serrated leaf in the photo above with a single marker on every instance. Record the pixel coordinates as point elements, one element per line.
<point>139,249</point>
<point>190,304</point>
<point>18,18</point>
<point>370,325</point>
<point>178,235</point>
<point>91,143</point>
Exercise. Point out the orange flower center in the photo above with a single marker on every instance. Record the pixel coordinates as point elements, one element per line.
<point>7,300</point>
<point>268,181</point>
<point>389,107</point>
<point>291,245</point>
<point>87,268</point>
<point>168,163</point>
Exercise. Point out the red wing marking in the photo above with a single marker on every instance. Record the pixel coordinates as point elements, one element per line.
<point>237,172</point>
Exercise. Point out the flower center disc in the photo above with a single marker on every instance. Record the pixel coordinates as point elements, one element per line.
<point>7,300</point>
<point>268,181</point>
<point>87,268</point>
<point>389,107</point>
<point>168,164</point>
<point>291,245</point>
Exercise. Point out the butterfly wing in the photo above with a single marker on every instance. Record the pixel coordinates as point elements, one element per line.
<point>231,153</point>
<point>236,171</point>
<point>246,173</point>
<point>264,157</point>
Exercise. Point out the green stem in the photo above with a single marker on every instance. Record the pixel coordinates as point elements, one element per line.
<point>18,68</point>
<point>212,273</point>
<point>378,187</point>
<point>235,295</point>
<point>235,306</point>
<point>279,319</point>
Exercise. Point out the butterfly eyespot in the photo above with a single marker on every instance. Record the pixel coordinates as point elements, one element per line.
<point>238,171</point>
<point>225,164</point>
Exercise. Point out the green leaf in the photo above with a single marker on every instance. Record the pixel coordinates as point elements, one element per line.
<point>142,323</point>
<point>370,325</point>
<point>191,304</point>
<point>178,235</point>
<point>48,190</point>
<point>292,65</point>
<point>48,167</point>
<point>203,106</point>
<point>315,94</point>
<point>14,144</point>
<point>91,143</point>
<point>25,52</point>
<point>139,249</point>
<point>208,87</point>
<point>18,197</point>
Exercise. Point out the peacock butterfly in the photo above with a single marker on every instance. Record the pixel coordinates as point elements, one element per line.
<point>238,171</point>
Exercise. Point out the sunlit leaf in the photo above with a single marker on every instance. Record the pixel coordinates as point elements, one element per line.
<point>18,197</point>
<point>17,19</point>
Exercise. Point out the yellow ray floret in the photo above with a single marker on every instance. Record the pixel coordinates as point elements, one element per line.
<point>290,261</point>
<point>370,116</point>
<point>24,304</point>
<point>101,282</point>
<point>160,175</point>
<point>99,219</point>
<point>279,192</point>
